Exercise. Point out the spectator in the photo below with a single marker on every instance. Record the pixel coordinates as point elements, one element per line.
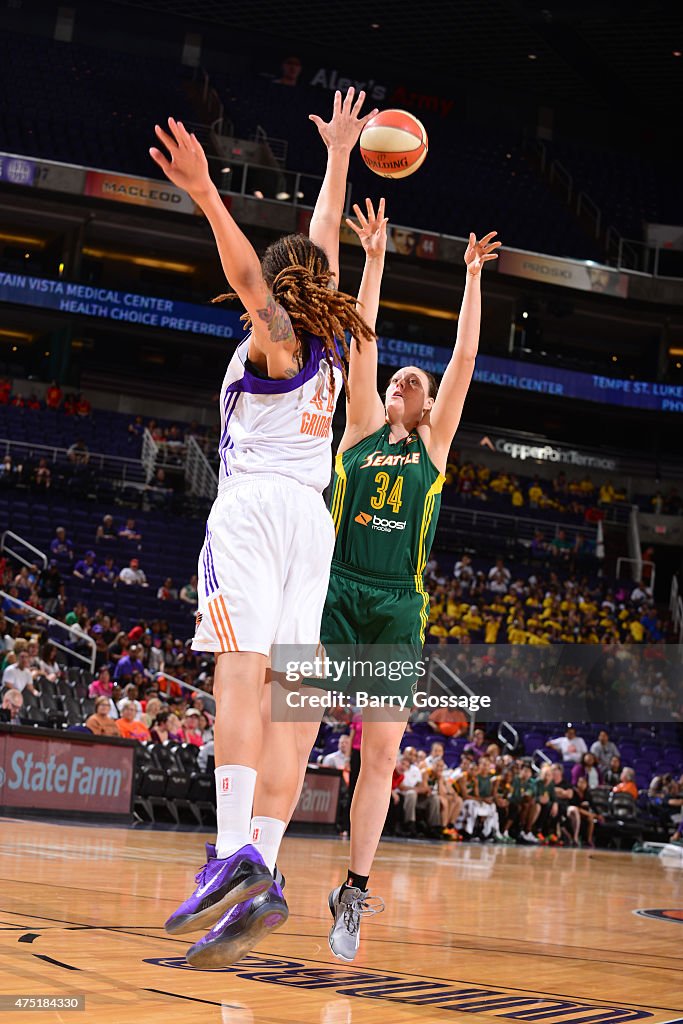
<point>205,727</point>
<point>19,676</point>
<point>641,592</point>
<point>189,593</point>
<point>561,546</point>
<point>477,744</point>
<point>47,663</point>
<point>612,775</point>
<point>153,707</point>
<point>191,731</point>
<point>581,812</point>
<point>436,753</point>
<point>61,547</point>
<point>106,531</point>
<point>341,757</point>
<point>588,769</point>
<point>136,429</point>
<point>167,591</point>
<point>85,569</point>
<point>102,686</point>
<point>603,749</point>
<point>128,664</point>
<point>129,727</point>
<point>570,746</point>
<point>166,727</point>
<point>132,575</point>
<point>49,587</point>
<point>9,472</point>
<point>53,396</point>
<point>129,531</point>
<point>108,573</point>
<point>83,407</point>
<point>42,475</point>
<point>416,794</point>
<point>547,823</point>
<point>499,571</point>
<point>463,570</point>
<point>539,548</point>
<point>78,454</point>
<point>627,783</point>
<point>99,723</point>
<point>12,707</point>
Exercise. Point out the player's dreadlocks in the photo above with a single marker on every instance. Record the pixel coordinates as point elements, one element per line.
<point>298,273</point>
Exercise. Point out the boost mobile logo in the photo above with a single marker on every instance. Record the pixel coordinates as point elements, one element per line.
<point>383,525</point>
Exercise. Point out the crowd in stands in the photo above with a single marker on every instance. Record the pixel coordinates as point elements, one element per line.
<point>579,499</point>
<point>551,604</point>
<point>487,795</point>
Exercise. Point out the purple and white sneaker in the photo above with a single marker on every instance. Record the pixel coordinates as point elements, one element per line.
<point>239,930</point>
<point>222,883</point>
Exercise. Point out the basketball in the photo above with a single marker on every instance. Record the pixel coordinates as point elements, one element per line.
<point>394,144</point>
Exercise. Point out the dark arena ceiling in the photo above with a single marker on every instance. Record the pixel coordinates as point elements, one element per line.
<point>579,51</point>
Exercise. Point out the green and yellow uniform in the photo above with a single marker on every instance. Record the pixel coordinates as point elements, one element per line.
<point>385,505</point>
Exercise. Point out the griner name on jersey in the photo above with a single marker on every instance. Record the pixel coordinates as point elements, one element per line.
<point>378,459</point>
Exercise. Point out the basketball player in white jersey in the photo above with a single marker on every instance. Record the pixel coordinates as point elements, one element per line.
<point>264,566</point>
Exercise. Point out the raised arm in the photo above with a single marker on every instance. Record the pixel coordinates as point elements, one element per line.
<point>272,336</point>
<point>448,405</point>
<point>364,408</point>
<point>340,135</point>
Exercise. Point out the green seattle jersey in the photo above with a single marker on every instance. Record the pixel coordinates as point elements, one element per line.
<point>385,505</point>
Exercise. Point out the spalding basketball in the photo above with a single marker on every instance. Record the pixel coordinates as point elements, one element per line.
<point>394,144</point>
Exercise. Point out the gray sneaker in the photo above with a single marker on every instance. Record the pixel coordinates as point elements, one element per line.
<point>346,909</point>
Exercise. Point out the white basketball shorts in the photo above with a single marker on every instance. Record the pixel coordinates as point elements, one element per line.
<point>265,565</point>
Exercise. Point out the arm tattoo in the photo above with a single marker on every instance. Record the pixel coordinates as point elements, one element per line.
<point>277,320</point>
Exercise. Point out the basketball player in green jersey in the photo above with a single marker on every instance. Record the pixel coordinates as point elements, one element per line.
<point>389,472</point>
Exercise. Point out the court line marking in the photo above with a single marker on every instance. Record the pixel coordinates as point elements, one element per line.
<point>494,949</point>
<point>326,963</point>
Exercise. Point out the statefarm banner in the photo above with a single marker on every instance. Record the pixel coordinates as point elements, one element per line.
<point>59,774</point>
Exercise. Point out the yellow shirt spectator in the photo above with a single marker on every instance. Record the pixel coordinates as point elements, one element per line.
<point>637,631</point>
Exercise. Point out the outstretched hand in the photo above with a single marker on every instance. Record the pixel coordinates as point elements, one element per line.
<point>188,167</point>
<point>343,130</point>
<point>478,252</point>
<point>371,228</point>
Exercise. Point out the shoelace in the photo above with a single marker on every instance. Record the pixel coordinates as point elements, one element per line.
<point>356,908</point>
<point>201,875</point>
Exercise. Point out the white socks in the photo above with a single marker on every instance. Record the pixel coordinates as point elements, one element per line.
<point>266,836</point>
<point>235,786</point>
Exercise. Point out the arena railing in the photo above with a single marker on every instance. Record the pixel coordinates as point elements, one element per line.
<point>199,472</point>
<point>26,613</point>
<point>519,527</point>
<point>187,688</point>
<point>436,669</point>
<point>4,546</point>
<point>676,608</point>
<point>113,467</point>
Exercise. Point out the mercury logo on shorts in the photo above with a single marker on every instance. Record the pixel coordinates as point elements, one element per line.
<point>197,620</point>
<point>383,525</point>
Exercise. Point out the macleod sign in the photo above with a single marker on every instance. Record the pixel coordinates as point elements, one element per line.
<point>58,774</point>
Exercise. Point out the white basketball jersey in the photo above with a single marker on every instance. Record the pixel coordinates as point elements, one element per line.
<point>279,426</point>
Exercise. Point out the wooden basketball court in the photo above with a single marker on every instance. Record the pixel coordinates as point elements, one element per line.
<point>487,934</point>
